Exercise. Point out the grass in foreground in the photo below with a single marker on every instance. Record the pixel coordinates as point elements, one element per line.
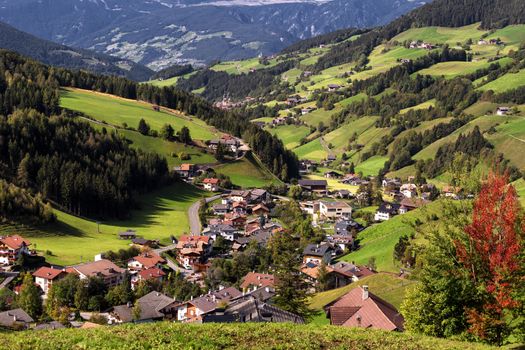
<point>166,335</point>
<point>162,213</point>
<point>115,110</point>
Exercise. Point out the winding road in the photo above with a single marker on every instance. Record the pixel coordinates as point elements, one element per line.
<point>193,214</point>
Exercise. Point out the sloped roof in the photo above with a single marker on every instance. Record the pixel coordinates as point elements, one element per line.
<point>316,249</point>
<point>258,279</point>
<point>48,273</point>
<point>8,318</point>
<point>149,259</point>
<point>15,241</point>
<point>103,267</point>
<point>151,273</point>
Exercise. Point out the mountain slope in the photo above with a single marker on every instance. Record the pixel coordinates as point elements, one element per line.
<point>64,56</point>
<point>161,33</point>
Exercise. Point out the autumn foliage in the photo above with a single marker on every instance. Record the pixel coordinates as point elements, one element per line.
<point>492,253</point>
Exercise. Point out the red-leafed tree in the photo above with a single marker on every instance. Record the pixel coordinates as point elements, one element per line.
<point>492,252</point>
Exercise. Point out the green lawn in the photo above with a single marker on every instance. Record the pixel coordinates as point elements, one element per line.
<point>239,336</point>
<point>246,173</point>
<point>441,35</point>
<point>378,240</point>
<point>453,69</point>
<point>291,135</point>
<point>115,110</point>
<point>371,166</point>
<point>311,150</point>
<point>424,105</point>
<point>320,115</point>
<point>520,188</point>
<point>340,136</point>
<point>162,213</point>
<point>510,140</point>
<point>506,82</point>
<point>239,67</point>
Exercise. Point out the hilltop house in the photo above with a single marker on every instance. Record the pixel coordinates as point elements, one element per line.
<point>11,247</point>
<point>46,276</point>
<point>360,308</point>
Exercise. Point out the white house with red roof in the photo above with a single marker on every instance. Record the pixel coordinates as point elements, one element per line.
<point>11,247</point>
<point>46,276</point>
<point>211,184</point>
<point>151,274</point>
<point>146,260</point>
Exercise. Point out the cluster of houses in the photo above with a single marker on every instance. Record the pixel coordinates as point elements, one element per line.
<point>496,41</point>
<point>418,44</point>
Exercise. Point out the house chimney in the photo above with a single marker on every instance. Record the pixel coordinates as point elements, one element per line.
<point>365,292</point>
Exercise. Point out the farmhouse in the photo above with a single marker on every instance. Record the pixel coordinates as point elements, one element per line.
<point>360,308</point>
<point>128,234</point>
<point>211,184</point>
<point>502,111</point>
<point>333,87</point>
<point>185,170</point>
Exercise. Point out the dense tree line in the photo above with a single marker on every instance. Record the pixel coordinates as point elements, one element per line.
<point>237,86</point>
<point>84,171</point>
<point>173,71</point>
<point>18,203</point>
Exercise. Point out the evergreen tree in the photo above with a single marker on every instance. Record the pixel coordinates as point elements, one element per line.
<point>143,127</point>
<point>167,132</point>
<point>184,135</point>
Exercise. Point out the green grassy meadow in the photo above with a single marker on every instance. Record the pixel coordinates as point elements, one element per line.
<point>247,173</point>
<point>507,82</point>
<point>160,214</point>
<point>242,336</point>
<point>456,68</point>
<point>116,111</point>
<point>378,240</point>
<point>442,35</point>
<point>291,135</point>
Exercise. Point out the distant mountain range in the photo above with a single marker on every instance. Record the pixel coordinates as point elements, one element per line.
<point>159,33</point>
<point>63,56</point>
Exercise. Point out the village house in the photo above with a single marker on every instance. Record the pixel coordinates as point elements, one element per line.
<point>386,211</point>
<point>192,250</point>
<point>408,190</point>
<point>240,196</point>
<point>332,174</point>
<point>394,183</point>
<point>307,110</point>
<point>316,186</point>
<point>360,308</point>
<point>186,170</point>
<point>343,273</point>
<point>144,243</point>
<point>317,253</point>
<point>250,308</point>
<point>261,196</point>
<point>110,273</point>
<point>46,276</point>
<point>15,319</point>
<point>11,247</point>
<point>221,209</point>
<point>333,87</point>
<point>306,166</point>
<point>146,260</point>
<point>501,111</point>
<point>128,234</point>
<point>225,231</point>
<point>150,274</point>
<point>334,210</point>
<point>193,310</point>
<point>211,184</point>
<point>260,210</point>
<point>408,204</point>
<point>309,207</point>
<point>253,281</point>
<point>153,306</point>
<point>236,220</point>
<point>451,192</point>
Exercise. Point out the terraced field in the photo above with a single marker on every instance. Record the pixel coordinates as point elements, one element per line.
<point>424,105</point>
<point>453,69</point>
<point>312,150</point>
<point>247,173</point>
<point>116,111</point>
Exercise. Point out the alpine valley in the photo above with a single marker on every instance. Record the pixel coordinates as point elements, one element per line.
<point>269,174</point>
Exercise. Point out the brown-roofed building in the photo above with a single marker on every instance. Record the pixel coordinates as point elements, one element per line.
<point>146,260</point>
<point>11,247</point>
<point>110,273</point>
<point>260,210</point>
<point>185,170</point>
<point>253,281</point>
<point>45,276</point>
<point>192,250</point>
<point>360,308</point>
